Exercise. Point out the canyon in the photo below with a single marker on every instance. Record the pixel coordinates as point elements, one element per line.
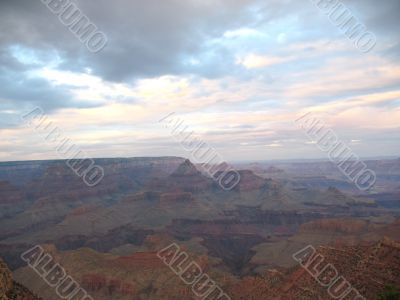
<point>107,236</point>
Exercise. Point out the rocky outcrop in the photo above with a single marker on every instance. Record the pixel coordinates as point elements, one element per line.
<point>57,179</point>
<point>185,228</point>
<point>236,252</point>
<point>175,198</point>
<point>186,178</point>
<point>368,268</point>
<point>109,285</point>
<point>346,226</point>
<point>6,282</point>
<point>11,290</point>
<point>103,243</point>
<point>249,214</point>
<point>250,181</point>
<point>10,194</point>
<point>11,254</point>
<point>140,260</point>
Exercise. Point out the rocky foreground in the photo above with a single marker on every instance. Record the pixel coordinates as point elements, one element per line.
<point>11,290</point>
<point>369,268</point>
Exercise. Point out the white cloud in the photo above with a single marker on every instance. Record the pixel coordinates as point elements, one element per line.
<point>254,61</point>
<point>275,144</point>
<point>243,32</point>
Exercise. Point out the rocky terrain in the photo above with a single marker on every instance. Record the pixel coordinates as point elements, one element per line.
<point>11,290</point>
<point>368,268</point>
<point>107,236</point>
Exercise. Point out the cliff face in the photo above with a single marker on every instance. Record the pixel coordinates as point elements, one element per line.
<point>142,205</point>
<point>249,181</point>
<point>9,289</point>
<point>9,194</point>
<point>114,238</point>
<point>55,178</point>
<point>109,285</point>
<point>368,268</point>
<point>185,178</point>
<point>12,199</point>
<point>175,198</point>
<point>142,275</point>
<point>6,282</point>
<point>349,226</point>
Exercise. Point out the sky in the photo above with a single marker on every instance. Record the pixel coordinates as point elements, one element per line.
<point>237,72</point>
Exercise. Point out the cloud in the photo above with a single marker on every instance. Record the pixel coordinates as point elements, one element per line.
<point>276,144</point>
<point>239,72</point>
<point>254,61</point>
<point>146,38</point>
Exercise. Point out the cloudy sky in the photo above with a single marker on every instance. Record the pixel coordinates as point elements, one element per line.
<point>238,72</point>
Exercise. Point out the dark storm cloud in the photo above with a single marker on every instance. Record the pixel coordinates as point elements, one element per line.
<point>23,25</point>
<point>153,38</point>
<point>146,38</point>
<point>20,89</point>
